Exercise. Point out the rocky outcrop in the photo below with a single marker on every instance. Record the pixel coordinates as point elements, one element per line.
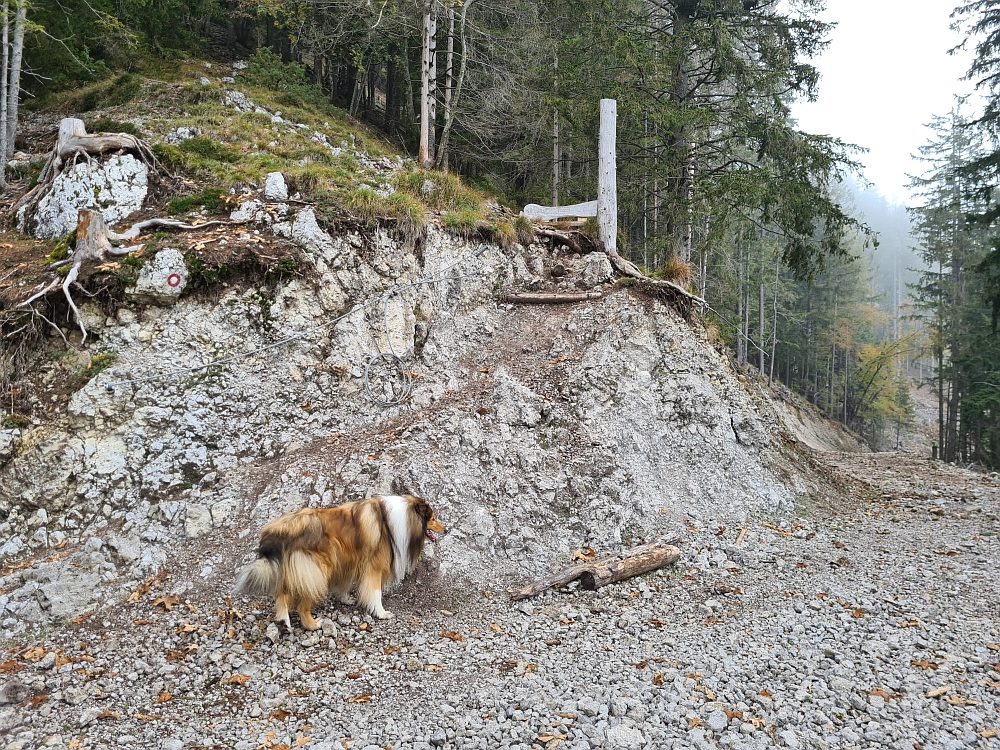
<point>117,187</point>
<point>532,430</point>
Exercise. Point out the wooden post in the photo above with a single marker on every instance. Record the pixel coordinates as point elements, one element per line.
<point>607,178</point>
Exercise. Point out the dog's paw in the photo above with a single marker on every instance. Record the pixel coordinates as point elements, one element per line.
<point>383,615</point>
<point>349,599</point>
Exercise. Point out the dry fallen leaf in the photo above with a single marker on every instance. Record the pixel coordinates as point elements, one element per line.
<point>938,692</point>
<point>279,715</point>
<point>708,693</point>
<point>583,555</point>
<point>495,628</point>
<point>880,693</point>
<point>434,667</point>
<point>187,628</point>
<point>238,679</point>
<point>78,620</point>
<point>108,714</point>
<point>658,679</point>
<point>923,664</point>
<point>958,700</point>
<point>9,667</point>
<point>163,697</point>
<point>76,743</point>
<point>452,635</point>
<point>147,717</point>
<point>390,650</point>
<point>302,740</point>
<point>988,734</point>
<point>366,698</point>
<point>732,713</point>
<point>839,545</point>
<point>858,614</point>
<point>695,722</point>
<point>167,602</point>
<point>35,653</point>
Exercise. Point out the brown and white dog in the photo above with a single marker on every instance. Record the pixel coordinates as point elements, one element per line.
<point>370,545</point>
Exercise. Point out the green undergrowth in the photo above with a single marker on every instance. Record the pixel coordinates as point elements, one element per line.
<point>210,199</point>
<point>238,149</point>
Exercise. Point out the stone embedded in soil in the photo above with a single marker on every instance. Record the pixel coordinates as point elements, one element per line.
<point>163,279</point>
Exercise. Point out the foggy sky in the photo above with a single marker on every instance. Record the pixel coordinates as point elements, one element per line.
<point>886,72</point>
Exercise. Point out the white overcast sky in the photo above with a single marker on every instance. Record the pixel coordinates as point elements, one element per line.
<point>885,73</point>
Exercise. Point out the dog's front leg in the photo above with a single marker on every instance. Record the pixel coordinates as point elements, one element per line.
<point>370,596</point>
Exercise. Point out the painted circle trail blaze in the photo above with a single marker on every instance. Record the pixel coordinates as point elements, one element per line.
<point>174,280</point>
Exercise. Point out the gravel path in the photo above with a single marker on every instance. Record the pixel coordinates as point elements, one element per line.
<point>871,623</point>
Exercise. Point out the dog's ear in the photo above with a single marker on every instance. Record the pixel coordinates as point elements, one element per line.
<point>421,508</point>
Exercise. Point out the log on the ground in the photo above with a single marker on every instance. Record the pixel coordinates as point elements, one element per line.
<point>560,237</point>
<point>593,575</point>
<point>612,571</point>
<point>549,298</point>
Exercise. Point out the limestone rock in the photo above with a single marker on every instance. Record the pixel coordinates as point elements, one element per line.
<point>116,187</point>
<point>163,280</point>
<point>595,269</point>
<point>198,521</point>
<point>182,134</point>
<point>275,188</point>
<point>515,404</point>
<point>238,101</point>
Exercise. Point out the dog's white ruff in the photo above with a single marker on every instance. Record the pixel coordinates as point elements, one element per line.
<point>398,509</point>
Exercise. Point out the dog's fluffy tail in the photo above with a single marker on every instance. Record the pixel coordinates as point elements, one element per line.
<point>284,565</point>
<point>262,577</point>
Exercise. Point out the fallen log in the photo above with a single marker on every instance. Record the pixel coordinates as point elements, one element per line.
<point>549,298</point>
<point>593,575</point>
<point>560,237</point>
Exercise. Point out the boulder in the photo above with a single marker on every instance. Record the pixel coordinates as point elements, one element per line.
<point>275,188</point>
<point>116,187</point>
<point>163,280</point>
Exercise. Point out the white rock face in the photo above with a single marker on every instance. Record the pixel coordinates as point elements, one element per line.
<point>238,100</point>
<point>275,188</point>
<point>163,280</point>
<point>116,187</point>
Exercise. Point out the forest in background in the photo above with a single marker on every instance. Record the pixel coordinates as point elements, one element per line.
<point>812,281</point>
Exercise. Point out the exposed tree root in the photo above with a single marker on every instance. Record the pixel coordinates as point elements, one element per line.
<point>94,244</point>
<point>74,143</point>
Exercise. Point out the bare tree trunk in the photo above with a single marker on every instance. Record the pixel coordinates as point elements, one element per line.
<point>462,66</point>
<point>760,333</point>
<point>741,347</point>
<point>556,155</point>
<point>5,20</point>
<point>14,87</point>
<point>774,323</point>
<point>448,81</point>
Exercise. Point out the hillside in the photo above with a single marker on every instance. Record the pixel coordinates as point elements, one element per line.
<point>138,466</point>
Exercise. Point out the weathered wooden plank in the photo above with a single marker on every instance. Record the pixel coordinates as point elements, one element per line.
<point>553,213</point>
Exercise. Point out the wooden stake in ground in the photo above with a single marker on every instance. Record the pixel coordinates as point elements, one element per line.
<point>599,573</point>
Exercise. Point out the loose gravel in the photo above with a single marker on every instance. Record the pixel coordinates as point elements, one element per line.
<point>868,621</point>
